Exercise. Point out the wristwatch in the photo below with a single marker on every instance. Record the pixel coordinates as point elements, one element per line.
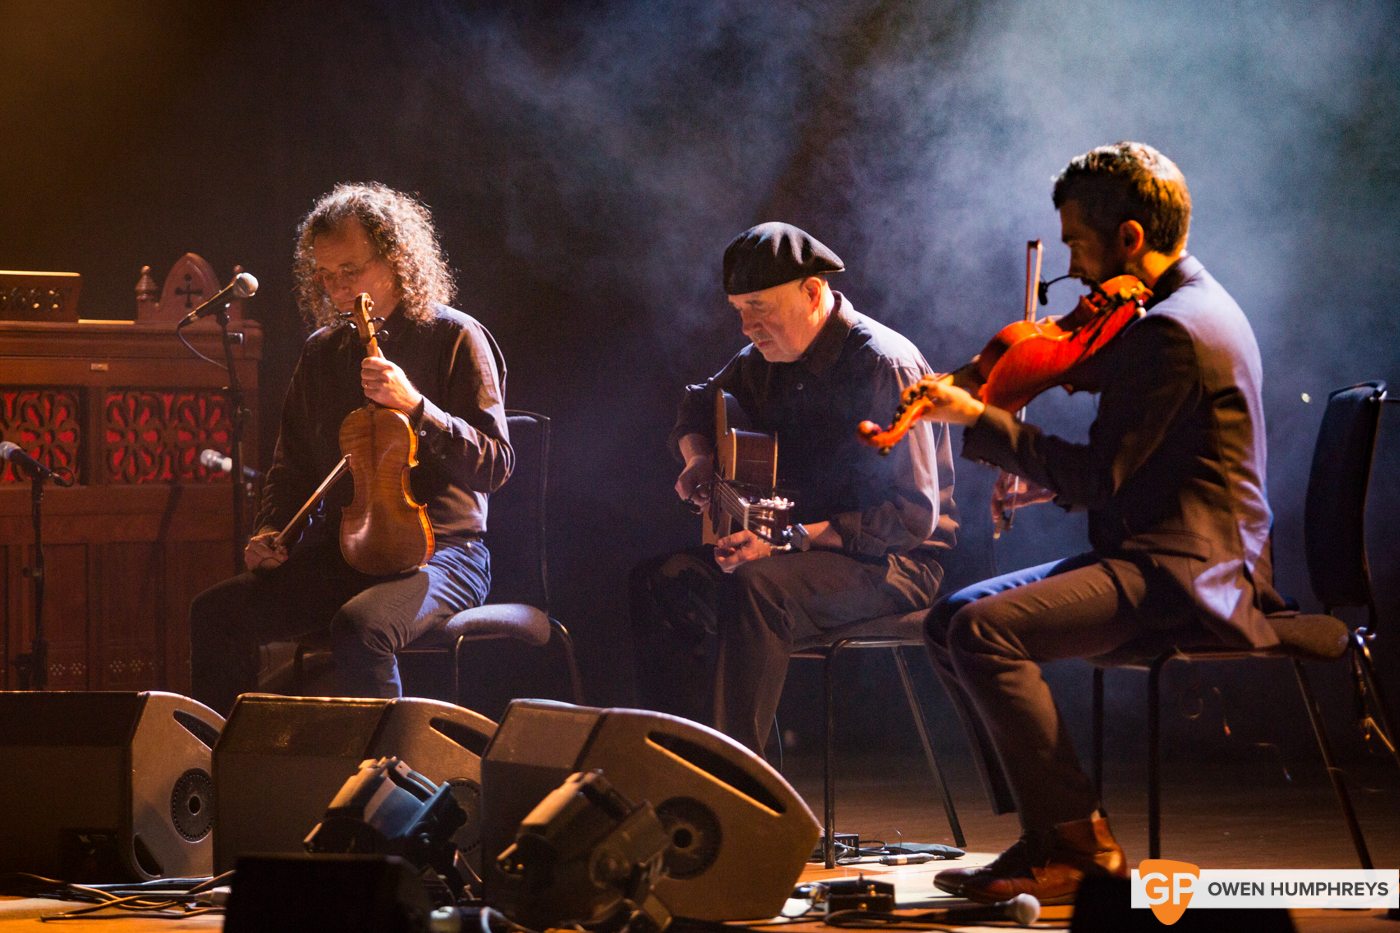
<point>801,540</point>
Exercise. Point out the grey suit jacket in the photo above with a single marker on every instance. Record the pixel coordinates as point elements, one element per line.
<point>1173,473</point>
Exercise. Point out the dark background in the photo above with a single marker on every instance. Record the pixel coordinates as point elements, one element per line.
<point>587,163</point>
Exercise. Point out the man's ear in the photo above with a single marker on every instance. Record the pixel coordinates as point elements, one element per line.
<point>1132,239</point>
<point>812,290</point>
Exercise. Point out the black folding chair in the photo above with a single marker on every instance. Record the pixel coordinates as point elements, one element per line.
<point>1335,545</point>
<point>895,633</point>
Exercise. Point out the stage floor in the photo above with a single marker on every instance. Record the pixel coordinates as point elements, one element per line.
<point>1238,815</point>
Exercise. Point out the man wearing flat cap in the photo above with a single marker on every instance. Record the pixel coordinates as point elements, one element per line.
<point>714,625</point>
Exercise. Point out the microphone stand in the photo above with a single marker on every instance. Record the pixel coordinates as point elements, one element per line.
<point>34,666</point>
<point>238,417</point>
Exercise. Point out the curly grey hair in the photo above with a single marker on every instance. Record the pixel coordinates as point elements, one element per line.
<point>401,229</point>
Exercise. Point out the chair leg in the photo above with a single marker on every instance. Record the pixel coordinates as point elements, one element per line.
<point>1154,751</point>
<point>1333,772</point>
<point>1098,735</point>
<point>457,671</point>
<point>1370,689</point>
<point>828,752</point>
<point>567,641</point>
<point>919,723</point>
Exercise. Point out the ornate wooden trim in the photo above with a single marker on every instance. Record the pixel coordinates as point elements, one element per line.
<point>47,423</point>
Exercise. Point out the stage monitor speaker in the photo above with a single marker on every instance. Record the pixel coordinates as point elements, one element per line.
<point>106,787</point>
<point>281,760</point>
<point>740,834</point>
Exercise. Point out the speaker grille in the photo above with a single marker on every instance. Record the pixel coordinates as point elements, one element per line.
<point>695,836</point>
<point>192,804</point>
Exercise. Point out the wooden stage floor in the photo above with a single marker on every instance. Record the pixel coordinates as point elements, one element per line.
<point>1228,816</point>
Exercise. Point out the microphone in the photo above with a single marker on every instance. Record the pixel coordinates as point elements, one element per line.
<point>12,452</point>
<point>242,286</point>
<point>214,460</point>
<point>1023,909</point>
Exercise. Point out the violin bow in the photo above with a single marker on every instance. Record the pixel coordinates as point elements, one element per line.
<point>1035,253</point>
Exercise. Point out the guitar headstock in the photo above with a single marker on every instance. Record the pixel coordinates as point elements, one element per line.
<point>770,518</point>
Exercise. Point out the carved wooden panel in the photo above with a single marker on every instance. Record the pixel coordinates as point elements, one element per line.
<point>147,527</point>
<point>65,614</point>
<point>39,296</point>
<point>128,620</point>
<point>47,423</point>
<point>189,283</point>
<point>155,436</point>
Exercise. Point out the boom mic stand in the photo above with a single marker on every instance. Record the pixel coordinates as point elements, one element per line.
<point>238,417</point>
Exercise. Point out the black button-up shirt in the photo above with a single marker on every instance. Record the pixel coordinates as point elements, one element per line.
<point>854,370</point>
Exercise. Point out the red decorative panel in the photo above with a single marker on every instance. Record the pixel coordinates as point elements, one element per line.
<point>155,436</point>
<point>46,423</point>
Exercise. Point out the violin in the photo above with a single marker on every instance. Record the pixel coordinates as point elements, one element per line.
<point>383,531</point>
<point>1026,357</point>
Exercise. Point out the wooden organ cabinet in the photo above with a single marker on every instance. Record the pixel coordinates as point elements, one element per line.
<point>128,409</point>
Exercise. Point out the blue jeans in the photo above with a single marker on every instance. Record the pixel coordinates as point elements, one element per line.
<point>370,618</point>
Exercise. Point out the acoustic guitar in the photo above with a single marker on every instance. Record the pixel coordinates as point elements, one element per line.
<point>744,492</point>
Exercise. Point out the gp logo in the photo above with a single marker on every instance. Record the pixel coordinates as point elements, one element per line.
<point>1169,885</point>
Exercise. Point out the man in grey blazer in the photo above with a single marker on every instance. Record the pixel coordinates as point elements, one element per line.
<point>1172,477</point>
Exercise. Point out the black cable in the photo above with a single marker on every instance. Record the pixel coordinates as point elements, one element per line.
<point>161,898</point>
<point>879,920</point>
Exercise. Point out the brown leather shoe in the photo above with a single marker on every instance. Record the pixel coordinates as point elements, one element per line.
<point>1047,865</point>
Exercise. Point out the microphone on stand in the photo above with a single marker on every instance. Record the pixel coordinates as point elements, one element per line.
<point>242,286</point>
<point>21,461</point>
<point>213,460</point>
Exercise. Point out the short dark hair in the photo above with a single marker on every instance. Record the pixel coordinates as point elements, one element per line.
<point>1129,181</point>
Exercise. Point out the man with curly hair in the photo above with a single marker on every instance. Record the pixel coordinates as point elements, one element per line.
<point>444,371</point>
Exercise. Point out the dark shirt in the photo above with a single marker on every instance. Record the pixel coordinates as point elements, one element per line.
<point>854,370</point>
<point>464,450</point>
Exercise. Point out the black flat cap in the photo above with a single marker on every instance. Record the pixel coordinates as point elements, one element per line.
<point>771,254</point>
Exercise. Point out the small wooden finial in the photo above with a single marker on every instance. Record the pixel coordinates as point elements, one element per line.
<point>147,295</point>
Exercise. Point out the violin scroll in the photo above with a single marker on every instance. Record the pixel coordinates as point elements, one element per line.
<point>912,405</point>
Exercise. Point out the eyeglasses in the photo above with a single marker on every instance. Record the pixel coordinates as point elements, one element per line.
<point>347,274</point>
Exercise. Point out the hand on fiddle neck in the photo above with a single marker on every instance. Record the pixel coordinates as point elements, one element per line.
<point>1012,492</point>
<point>386,384</point>
<point>947,403</point>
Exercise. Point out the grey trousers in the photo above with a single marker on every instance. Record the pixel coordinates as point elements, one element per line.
<point>988,640</point>
<point>713,647</point>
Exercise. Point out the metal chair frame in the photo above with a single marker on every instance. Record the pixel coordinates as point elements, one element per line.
<point>827,655</point>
